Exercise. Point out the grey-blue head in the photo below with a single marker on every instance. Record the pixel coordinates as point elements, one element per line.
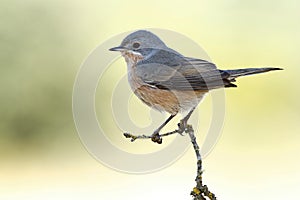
<point>141,42</point>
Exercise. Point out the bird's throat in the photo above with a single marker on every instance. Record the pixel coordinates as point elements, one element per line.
<point>132,58</point>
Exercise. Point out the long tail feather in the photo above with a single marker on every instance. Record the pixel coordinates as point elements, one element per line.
<point>249,71</point>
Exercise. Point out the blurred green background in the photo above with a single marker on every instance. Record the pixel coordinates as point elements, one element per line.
<point>43,43</point>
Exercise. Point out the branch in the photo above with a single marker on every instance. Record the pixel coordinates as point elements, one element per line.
<point>155,137</point>
<point>200,191</point>
<point>134,137</point>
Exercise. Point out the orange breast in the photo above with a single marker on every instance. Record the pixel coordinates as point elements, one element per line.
<point>170,101</point>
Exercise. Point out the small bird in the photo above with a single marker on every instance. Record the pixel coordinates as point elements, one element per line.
<point>167,81</point>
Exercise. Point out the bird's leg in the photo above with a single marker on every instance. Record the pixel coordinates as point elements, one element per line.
<point>155,137</point>
<point>183,123</point>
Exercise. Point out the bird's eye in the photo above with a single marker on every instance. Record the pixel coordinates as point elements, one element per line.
<point>136,45</point>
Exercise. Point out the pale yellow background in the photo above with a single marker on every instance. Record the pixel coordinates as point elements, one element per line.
<point>42,44</point>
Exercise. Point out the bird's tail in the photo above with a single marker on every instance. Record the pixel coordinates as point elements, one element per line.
<point>249,71</point>
<point>229,76</point>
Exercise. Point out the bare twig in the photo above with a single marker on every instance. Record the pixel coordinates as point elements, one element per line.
<point>155,138</point>
<point>200,191</point>
<point>134,137</point>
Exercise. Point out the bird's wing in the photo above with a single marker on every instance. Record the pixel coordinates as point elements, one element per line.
<point>172,71</point>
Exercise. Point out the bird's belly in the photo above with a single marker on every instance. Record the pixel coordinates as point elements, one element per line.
<point>172,102</point>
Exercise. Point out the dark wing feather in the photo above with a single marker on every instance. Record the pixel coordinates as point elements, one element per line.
<point>172,71</point>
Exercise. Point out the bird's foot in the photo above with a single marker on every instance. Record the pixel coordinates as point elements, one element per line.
<point>182,127</point>
<point>156,138</point>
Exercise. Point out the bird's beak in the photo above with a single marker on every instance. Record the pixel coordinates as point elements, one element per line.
<point>119,48</point>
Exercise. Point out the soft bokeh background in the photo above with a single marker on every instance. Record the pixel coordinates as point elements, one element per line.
<point>42,44</point>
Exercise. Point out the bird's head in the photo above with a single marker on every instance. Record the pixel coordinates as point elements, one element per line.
<point>139,45</point>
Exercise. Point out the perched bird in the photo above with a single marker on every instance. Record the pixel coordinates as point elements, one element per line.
<point>168,81</point>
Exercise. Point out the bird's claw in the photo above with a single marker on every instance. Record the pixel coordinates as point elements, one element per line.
<point>156,138</point>
<point>182,127</point>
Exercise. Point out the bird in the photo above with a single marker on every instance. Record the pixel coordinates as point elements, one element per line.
<point>170,82</point>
